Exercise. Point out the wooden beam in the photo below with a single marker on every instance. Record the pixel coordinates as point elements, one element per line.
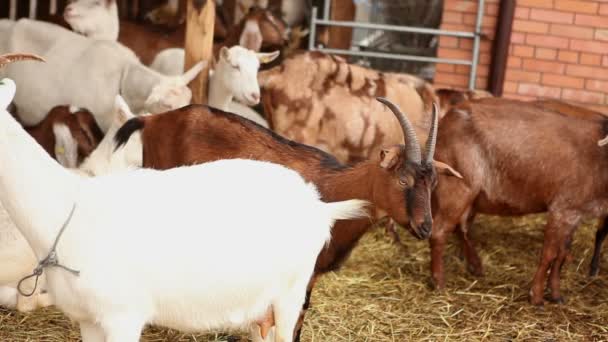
<point>341,10</point>
<point>200,22</point>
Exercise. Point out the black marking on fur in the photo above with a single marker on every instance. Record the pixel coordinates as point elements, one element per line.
<point>125,131</point>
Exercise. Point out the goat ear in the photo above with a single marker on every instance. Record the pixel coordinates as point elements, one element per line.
<point>446,169</point>
<point>267,57</point>
<point>224,54</point>
<point>66,147</point>
<point>389,157</point>
<point>191,74</point>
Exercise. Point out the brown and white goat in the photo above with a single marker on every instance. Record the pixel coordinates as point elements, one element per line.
<point>69,134</point>
<point>322,101</point>
<point>398,179</point>
<point>520,173</point>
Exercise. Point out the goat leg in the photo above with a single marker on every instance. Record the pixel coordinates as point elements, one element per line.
<point>469,252</point>
<point>600,235</point>
<point>438,241</point>
<point>391,230</point>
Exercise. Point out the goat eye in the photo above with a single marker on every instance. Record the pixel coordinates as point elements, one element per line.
<point>403,182</point>
<point>237,67</point>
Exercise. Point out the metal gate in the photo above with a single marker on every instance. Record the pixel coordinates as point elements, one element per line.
<point>325,21</point>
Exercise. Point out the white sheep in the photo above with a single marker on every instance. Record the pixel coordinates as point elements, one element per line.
<point>16,257</point>
<point>233,81</point>
<point>150,246</point>
<point>86,73</point>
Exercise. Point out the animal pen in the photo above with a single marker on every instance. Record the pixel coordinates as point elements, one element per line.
<point>533,50</point>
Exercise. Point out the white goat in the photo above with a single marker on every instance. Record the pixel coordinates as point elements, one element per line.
<point>174,279</point>
<point>96,19</point>
<point>233,79</point>
<point>86,73</point>
<point>16,257</point>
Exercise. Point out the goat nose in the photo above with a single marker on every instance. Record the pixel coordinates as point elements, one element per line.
<point>68,10</point>
<point>255,97</point>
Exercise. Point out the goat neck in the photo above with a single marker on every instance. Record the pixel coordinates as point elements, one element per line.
<point>219,95</point>
<point>35,190</point>
<point>349,182</point>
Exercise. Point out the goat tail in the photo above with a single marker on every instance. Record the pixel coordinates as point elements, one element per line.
<point>126,130</point>
<point>347,210</point>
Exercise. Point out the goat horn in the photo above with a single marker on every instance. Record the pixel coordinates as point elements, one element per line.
<point>14,57</point>
<point>412,148</point>
<point>432,139</point>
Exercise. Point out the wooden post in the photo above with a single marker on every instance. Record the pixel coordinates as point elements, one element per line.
<point>341,10</point>
<point>200,20</point>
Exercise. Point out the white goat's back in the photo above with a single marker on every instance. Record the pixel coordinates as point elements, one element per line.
<point>194,248</point>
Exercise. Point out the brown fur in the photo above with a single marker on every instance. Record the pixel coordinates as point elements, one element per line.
<point>298,96</point>
<point>81,124</point>
<point>516,159</point>
<point>197,134</point>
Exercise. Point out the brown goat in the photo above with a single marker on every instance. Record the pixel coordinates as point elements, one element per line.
<point>81,125</point>
<point>398,180</point>
<point>520,173</point>
<point>322,101</point>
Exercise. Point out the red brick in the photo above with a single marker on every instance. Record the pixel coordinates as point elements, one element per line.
<point>589,46</point>
<point>535,3</point>
<point>448,42</point>
<point>452,17</point>
<point>452,79</point>
<point>568,56</point>
<point>551,16</point>
<point>462,69</point>
<point>481,83</point>
<point>510,87</point>
<point>514,62</point>
<point>543,66</point>
<point>469,19</point>
<point>453,53</point>
<point>465,44</point>
<point>485,46</point>
<point>537,90</point>
<point>518,38</point>
<point>563,81</point>
<point>591,20</point>
<point>604,9</point>
<point>601,34</point>
<point>587,71</point>
<point>591,59</point>
<point>583,96</point>
<point>522,13</point>
<point>455,27</point>
<point>571,31</point>
<point>605,61</point>
<point>576,6</point>
<point>524,76</point>
<point>595,85</point>
<point>546,41</point>
<point>491,9</point>
<point>520,25</point>
<point>460,6</point>
<point>521,97</point>
<point>489,22</point>
<point>549,54</point>
<point>441,67</point>
<point>523,51</point>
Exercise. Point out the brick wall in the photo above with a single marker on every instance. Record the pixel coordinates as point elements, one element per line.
<point>559,49</point>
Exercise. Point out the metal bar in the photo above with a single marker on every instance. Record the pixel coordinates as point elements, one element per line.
<point>326,6</point>
<point>393,56</point>
<point>476,40</point>
<point>312,35</point>
<point>12,12</point>
<point>396,28</point>
<point>500,48</point>
<point>33,5</point>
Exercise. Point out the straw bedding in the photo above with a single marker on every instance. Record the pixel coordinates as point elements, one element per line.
<point>382,294</point>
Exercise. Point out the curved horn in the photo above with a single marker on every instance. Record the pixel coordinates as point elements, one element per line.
<point>432,139</point>
<point>412,148</point>
<point>14,57</point>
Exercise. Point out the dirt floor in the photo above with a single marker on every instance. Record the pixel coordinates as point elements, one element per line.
<point>382,294</point>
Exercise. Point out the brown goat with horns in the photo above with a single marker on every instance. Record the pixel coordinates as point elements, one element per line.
<point>399,180</point>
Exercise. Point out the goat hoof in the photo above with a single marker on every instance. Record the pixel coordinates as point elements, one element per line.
<point>593,272</point>
<point>538,302</point>
<point>475,270</point>
<point>435,285</point>
<point>557,300</point>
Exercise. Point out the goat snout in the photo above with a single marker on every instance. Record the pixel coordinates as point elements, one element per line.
<point>69,11</point>
<point>255,98</point>
<point>423,230</point>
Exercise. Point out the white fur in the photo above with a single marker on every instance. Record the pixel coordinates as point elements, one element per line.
<point>66,147</point>
<point>95,19</point>
<point>86,73</point>
<point>162,259</point>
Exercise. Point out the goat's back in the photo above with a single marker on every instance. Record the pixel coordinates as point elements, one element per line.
<point>522,158</point>
<point>188,244</point>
